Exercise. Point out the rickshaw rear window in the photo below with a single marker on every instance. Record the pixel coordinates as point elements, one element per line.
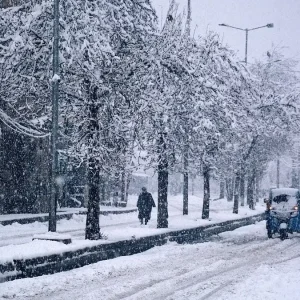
<point>281,198</point>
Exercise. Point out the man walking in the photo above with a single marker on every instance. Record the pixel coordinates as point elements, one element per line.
<point>145,203</point>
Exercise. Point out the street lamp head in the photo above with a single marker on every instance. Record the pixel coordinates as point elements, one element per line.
<point>270,25</point>
<point>223,24</point>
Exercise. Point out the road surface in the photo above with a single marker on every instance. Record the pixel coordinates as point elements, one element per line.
<point>237,265</point>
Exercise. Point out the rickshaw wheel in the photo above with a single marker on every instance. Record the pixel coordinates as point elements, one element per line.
<point>283,234</point>
<point>270,235</point>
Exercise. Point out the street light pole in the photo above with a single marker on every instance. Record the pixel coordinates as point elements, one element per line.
<point>269,25</point>
<point>246,46</point>
<point>185,209</point>
<point>54,133</point>
<point>189,18</point>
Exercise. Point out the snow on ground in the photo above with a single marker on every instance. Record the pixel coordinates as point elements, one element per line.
<point>61,211</point>
<point>238,265</point>
<point>24,216</point>
<point>16,239</point>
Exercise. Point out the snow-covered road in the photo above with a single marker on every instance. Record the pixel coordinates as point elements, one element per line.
<point>237,265</point>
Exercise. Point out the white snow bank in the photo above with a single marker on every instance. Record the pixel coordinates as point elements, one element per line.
<point>38,248</point>
<point>52,236</point>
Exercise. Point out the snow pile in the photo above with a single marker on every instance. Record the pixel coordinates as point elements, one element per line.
<point>52,236</point>
<point>30,250</point>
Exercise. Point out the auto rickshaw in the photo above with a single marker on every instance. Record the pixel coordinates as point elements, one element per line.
<point>282,212</point>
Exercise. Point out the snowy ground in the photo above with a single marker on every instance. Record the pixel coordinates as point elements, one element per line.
<point>63,211</point>
<point>237,265</point>
<point>16,240</point>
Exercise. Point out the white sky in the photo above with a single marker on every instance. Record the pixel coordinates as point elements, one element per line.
<point>285,14</point>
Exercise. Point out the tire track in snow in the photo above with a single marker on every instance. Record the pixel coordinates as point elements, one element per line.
<point>250,266</point>
<point>178,272</point>
<point>216,290</point>
<point>187,280</point>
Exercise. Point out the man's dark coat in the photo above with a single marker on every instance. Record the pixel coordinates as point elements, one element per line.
<point>145,204</point>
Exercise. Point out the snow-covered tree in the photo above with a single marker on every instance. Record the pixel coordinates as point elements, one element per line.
<point>95,36</point>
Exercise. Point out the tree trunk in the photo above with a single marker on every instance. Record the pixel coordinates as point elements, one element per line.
<point>229,189</point>
<point>129,175</point>
<point>123,186</point>
<point>236,194</point>
<point>256,188</point>
<point>92,230</point>
<point>250,190</point>
<point>108,190</point>
<point>163,174</point>
<point>277,173</point>
<point>206,196</point>
<point>103,196</point>
<point>295,178</point>
<point>247,188</point>
<point>249,178</point>
<point>185,184</point>
<point>116,188</point>
<point>222,189</point>
<point>242,186</point>
<point>185,193</point>
<point>193,182</point>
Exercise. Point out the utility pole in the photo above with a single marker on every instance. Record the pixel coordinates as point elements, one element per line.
<point>246,46</point>
<point>54,132</point>
<point>186,146</point>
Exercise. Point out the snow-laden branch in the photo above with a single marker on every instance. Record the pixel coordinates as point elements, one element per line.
<point>20,128</point>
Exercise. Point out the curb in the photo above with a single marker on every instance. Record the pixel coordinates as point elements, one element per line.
<point>75,259</point>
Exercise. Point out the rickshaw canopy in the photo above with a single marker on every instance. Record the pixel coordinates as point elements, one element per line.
<point>293,193</point>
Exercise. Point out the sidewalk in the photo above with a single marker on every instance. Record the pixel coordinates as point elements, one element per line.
<point>126,227</point>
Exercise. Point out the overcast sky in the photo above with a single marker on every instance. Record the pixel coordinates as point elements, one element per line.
<point>285,14</point>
